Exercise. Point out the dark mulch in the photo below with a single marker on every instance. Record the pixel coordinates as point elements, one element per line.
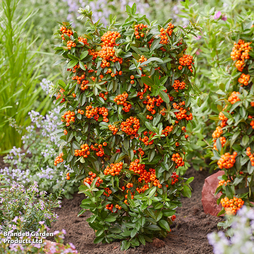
<point>188,235</point>
<point>2,164</point>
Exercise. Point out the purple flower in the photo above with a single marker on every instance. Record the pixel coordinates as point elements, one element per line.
<point>72,246</point>
<point>224,17</point>
<point>217,15</point>
<point>64,232</point>
<point>41,222</point>
<point>198,37</point>
<point>52,249</point>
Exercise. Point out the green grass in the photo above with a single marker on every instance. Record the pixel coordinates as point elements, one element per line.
<point>19,71</point>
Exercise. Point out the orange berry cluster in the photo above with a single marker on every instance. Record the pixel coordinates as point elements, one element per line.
<point>113,129</point>
<point>150,103</point>
<point>83,152</point>
<point>90,179</point>
<point>149,176</point>
<point>250,155</point>
<point>81,112</point>
<point>58,159</point>
<point>114,169</point>
<point>232,205</point>
<point>121,100</point>
<point>178,160</point>
<point>142,189</point>
<point>239,53</point>
<point>178,85</point>
<point>167,130</point>
<point>129,185</point>
<point>74,69</point>
<point>107,192</point>
<point>95,112</point>
<point>244,79</point>
<point>80,79</point>
<point>102,95</point>
<point>107,52</point>
<point>128,128</point>
<point>252,124</point>
<point>68,117</point>
<point>66,31</point>
<point>99,150</point>
<point>141,152</point>
<point>233,97</point>
<point>162,112</point>
<point>111,206</point>
<point>222,141</point>
<point>60,94</point>
<point>140,94</point>
<point>126,196</point>
<point>83,40</point>
<point>223,182</point>
<point>223,119</point>
<point>227,160</point>
<point>173,218</point>
<point>217,133</point>
<point>186,60</point>
<point>68,176</point>
<point>164,32</point>
<point>146,138</point>
<point>136,167</point>
<point>71,44</point>
<point>142,59</point>
<point>181,114</point>
<point>174,178</point>
<point>137,33</point>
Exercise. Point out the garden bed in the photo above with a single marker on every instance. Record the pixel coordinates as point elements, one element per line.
<point>188,235</point>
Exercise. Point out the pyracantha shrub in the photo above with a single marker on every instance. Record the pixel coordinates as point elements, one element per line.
<point>233,138</point>
<point>126,110</point>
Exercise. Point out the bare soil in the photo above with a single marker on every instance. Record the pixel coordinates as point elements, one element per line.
<point>188,235</point>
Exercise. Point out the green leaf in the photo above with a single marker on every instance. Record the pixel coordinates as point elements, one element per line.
<point>110,219</point>
<point>234,137</point>
<point>151,155</point>
<point>125,245</point>
<point>155,44</point>
<point>72,63</point>
<point>147,81</point>
<point>156,119</point>
<point>245,140</point>
<point>152,59</point>
<point>168,212</point>
<point>153,227</point>
<point>186,191</point>
<point>83,55</point>
<point>98,239</point>
<point>164,96</point>
<point>142,239</point>
<point>164,224</point>
<point>149,126</point>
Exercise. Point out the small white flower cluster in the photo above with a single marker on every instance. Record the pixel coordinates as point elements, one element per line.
<point>241,240</point>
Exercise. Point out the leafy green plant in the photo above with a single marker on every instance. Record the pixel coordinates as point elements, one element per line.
<point>19,72</point>
<point>233,138</point>
<point>126,106</point>
<point>218,24</point>
<point>239,235</point>
<point>35,162</point>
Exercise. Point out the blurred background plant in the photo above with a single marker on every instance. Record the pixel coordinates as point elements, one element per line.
<point>239,235</point>
<point>35,162</point>
<point>19,71</point>
<point>219,25</point>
